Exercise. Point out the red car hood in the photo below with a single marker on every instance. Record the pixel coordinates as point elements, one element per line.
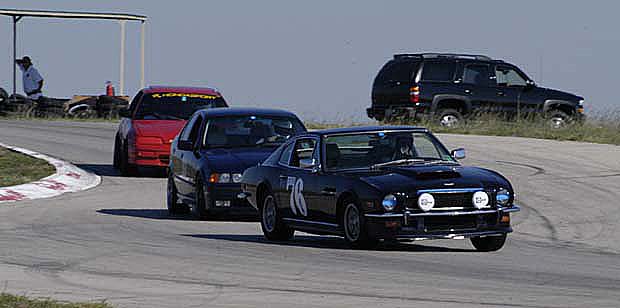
<point>165,129</point>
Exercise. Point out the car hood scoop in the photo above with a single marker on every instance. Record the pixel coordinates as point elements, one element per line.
<point>428,172</point>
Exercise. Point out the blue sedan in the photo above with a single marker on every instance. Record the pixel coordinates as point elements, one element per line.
<point>212,151</point>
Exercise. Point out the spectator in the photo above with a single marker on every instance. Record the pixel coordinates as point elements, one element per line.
<point>31,79</point>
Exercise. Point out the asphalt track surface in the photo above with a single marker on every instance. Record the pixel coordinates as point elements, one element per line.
<point>116,242</point>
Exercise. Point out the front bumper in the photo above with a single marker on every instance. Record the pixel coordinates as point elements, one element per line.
<point>440,224</point>
<point>228,193</point>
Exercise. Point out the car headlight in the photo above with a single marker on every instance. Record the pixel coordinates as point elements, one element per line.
<point>389,202</point>
<point>502,197</point>
<point>426,202</point>
<point>480,199</point>
<point>219,178</point>
<point>236,177</point>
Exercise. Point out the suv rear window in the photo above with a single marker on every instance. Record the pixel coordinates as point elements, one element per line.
<point>438,71</point>
<point>175,106</point>
<point>393,71</point>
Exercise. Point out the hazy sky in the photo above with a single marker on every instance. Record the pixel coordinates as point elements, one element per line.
<point>316,58</point>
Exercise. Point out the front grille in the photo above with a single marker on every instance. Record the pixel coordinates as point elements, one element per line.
<point>453,200</point>
<point>458,223</point>
<point>450,223</point>
<point>165,159</point>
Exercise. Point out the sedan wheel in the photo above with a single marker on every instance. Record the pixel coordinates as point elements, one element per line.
<point>172,198</point>
<point>489,243</point>
<point>355,232</point>
<point>199,209</point>
<point>273,227</point>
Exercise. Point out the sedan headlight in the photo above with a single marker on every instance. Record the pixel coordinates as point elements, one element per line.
<point>389,202</point>
<point>220,178</point>
<point>502,197</point>
<point>236,177</point>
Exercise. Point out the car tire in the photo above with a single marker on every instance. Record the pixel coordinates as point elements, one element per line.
<point>354,227</point>
<point>199,208</point>
<point>488,243</point>
<point>116,159</point>
<point>271,223</point>
<point>172,198</point>
<point>126,168</point>
<point>558,119</point>
<point>449,118</point>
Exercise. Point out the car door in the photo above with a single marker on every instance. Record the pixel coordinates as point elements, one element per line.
<point>510,85</point>
<point>298,182</point>
<point>184,158</point>
<point>476,83</point>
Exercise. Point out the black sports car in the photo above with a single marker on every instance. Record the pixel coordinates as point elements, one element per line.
<point>373,183</point>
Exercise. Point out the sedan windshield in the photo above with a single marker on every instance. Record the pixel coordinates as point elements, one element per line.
<point>175,106</point>
<point>250,131</point>
<point>382,149</point>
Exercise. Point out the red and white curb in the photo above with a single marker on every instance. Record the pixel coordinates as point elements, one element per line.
<point>68,178</point>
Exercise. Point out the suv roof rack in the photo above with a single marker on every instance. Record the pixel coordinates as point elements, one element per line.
<point>443,55</point>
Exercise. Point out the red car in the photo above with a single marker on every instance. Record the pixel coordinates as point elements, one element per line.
<point>154,117</point>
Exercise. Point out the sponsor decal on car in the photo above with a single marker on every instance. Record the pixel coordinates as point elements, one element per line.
<point>184,95</point>
<point>297,200</point>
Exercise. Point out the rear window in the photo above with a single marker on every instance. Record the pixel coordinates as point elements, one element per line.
<point>438,71</point>
<point>393,71</point>
<point>175,106</point>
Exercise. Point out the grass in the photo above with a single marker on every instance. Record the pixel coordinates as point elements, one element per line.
<point>13,301</point>
<point>592,130</point>
<point>599,128</point>
<point>17,168</point>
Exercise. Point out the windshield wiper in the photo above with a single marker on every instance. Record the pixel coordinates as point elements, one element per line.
<point>397,162</point>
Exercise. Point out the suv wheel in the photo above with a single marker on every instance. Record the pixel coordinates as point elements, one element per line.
<point>449,118</point>
<point>558,119</point>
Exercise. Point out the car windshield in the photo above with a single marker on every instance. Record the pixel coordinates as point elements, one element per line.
<point>381,149</point>
<point>175,106</point>
<point>250,131</point>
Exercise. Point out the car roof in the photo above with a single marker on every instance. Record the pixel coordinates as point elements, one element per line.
<point>363,129</point>
<point>172,89</point>
<point>242,111</point>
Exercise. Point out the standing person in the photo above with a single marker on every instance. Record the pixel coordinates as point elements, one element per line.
<point>31,79</point>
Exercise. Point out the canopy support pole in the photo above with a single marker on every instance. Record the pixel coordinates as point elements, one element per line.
<point>142,34</point>
<point>15,21</point>
<point>122,62</point>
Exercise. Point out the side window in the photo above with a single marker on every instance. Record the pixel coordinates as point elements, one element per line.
<point>508,77</point>
<point>401,71</point>
<point>285,157</point>
<point>193,133</point>
<point>135,101</point>
<point>438,71</point>
<point>303,152</point>
<point>477,74</point>
<point>188,128</point>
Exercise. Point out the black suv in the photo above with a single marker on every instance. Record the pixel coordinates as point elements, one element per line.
<point>449,87</point>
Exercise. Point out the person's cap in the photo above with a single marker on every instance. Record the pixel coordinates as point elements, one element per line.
<point>25,59</point>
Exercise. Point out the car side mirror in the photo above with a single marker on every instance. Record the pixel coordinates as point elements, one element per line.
<point>124,113</point>
<point>185,145</point>
<point>458,153</point>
